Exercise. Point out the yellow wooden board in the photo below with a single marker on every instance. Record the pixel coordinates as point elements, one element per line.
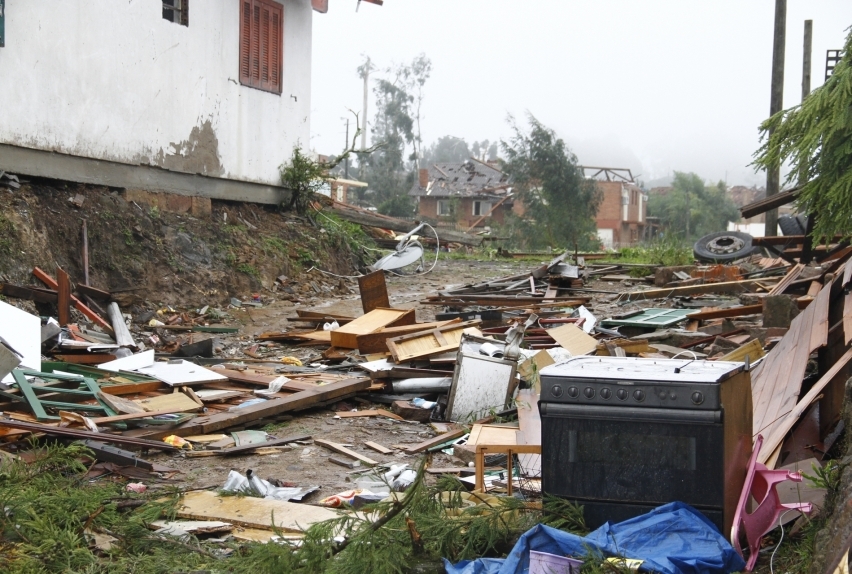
<point>251,512</point>
<point>753,349</point>
<point>346,336</point>
<point>177,401</point>
<point>428,343</point>
<point>573,339</point>
<point>492,435</point>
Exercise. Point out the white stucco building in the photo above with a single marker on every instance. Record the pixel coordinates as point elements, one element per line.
<point>194,97</point>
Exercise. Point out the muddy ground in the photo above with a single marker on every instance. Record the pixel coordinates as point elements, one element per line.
<point>309,464</point>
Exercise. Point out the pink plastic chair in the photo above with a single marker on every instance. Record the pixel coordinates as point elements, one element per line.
<point>760,483</point>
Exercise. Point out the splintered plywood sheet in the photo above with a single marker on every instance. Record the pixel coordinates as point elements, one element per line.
<point>428,343</point>
<point>176,373</point>
<point>23,333</point>
<point>573,339</point>
<point>777,381</point>
<point>346,336</point>
<point>480,384</point>
<point>252,512</point>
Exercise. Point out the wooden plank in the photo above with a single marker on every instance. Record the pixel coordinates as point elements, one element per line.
<point>791,276</point>
<point>297,401</point>
<point>529,421</point>
<point>368,413</point>
<point>777,380</point>
<point>94,317</point>
<point>63,293</point>
<point>28,293</point>
<point>573,339</point>
<point>87,359</point>
<point>178,402</point>
<point>346,336</point>
<point>132,416</point>
<point>376,342</point>
<point>724,287</point>
<point>374,291</point>
<point>121,405</point>
<point>252,512</point>
<point>784,424</point>
<point>739,311</point>
<point>274,442</point>
<point>92,293</point>
<point>847,318</point>
<point>378,448</point>
<point>753,349</point>
<point>492,434</point>
<point>435,441</point>
<point>428,343</point>
<point>339,448</point>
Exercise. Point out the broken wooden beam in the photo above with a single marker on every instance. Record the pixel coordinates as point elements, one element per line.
<point>339,448</point>
<point>94,317</point>
<point>63,297</point>
<point>724,287</point>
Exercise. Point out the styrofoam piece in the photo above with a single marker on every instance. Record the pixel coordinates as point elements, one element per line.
<point>178,372</point>
<point>23,332</point>
<point>131,363</point>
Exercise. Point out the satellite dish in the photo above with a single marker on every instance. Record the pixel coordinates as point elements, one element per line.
<point>398,259</point>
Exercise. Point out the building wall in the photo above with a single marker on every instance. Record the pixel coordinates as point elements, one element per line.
<point>115,81</point>
<point>428,207</point>
<point>622,214</point>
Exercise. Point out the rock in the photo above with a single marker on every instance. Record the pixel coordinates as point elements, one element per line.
<point>779,311</point>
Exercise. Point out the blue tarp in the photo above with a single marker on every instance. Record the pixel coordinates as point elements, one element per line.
<point>672,539</point>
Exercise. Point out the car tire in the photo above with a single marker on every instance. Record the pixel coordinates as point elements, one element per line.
<point>723,246</point>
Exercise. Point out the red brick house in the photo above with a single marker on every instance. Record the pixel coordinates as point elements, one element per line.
<point>470,194</point>
<point>622,216</point>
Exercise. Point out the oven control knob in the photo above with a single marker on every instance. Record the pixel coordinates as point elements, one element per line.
<point>573,392</point>
<point>621,394</point>
<point>697,398</point>
<point>589,392</point>
<point>662,395</point>
<point>556,391</point>
<point>606,394</point>
<point>639,396</point>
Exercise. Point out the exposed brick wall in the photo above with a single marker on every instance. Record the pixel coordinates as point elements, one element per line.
<point>197,206</point>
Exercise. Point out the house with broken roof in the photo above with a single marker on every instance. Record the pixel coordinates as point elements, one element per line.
<point>470,194</point>
<point>622,217</point>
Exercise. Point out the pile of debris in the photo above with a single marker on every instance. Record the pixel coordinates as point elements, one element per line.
<point>486,375</point>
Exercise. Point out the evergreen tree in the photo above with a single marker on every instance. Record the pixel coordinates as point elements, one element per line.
<point>815,137</point>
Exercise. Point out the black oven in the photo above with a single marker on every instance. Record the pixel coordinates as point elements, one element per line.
<point>622,436</point>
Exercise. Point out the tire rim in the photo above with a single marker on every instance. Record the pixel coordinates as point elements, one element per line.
<point>725,245</point>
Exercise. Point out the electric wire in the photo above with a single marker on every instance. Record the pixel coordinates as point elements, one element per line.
<point>780,540</point>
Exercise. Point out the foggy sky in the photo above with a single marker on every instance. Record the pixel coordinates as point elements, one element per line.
<point>651,85</point>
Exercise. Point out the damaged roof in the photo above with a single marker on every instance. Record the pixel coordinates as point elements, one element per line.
<point>470,179</point>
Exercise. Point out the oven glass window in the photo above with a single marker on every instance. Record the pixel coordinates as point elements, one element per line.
<point>632,449</point>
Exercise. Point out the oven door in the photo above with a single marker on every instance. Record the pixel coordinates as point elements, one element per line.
<point>636,456</point>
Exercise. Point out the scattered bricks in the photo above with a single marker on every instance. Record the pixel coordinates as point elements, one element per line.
<point>779,311</point>
<point>665,275</point>
<point>197,206</point>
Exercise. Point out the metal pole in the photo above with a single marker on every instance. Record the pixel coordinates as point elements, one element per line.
<point>806,59</point>
<point>364,108</point>
<point>776,103</point>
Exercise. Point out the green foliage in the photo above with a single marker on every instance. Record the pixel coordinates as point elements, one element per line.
<point>815,138</point>
<point>303,177</point>
<point>249,269</point>
<point>449,149</point>
<point>561,204</point>
<point>667,250</point>
<point>691,209</point>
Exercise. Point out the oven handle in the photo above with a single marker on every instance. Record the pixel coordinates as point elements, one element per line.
<point>629,413</point>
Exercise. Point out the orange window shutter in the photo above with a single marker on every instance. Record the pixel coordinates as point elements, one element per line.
<point>255,45</point>
<point>275,51</point>
<point>264,47</point>
<point>245,41</point>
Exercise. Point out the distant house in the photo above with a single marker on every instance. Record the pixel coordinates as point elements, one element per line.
<point>622,216</point>
<point>191,98</point>
<point>472,194</point>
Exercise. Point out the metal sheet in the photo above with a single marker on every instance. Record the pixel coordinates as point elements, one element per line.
<point>651,318</point>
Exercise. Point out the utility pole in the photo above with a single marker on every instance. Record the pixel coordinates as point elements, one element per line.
<point>776,103</point>
<point>366,76</point>
<point>806,59</point>
<point>346,160</point>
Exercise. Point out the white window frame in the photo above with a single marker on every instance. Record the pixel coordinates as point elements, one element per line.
<point>481,208</point>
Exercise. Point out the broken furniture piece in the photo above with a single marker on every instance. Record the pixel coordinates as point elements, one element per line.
<point>760,484</point>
